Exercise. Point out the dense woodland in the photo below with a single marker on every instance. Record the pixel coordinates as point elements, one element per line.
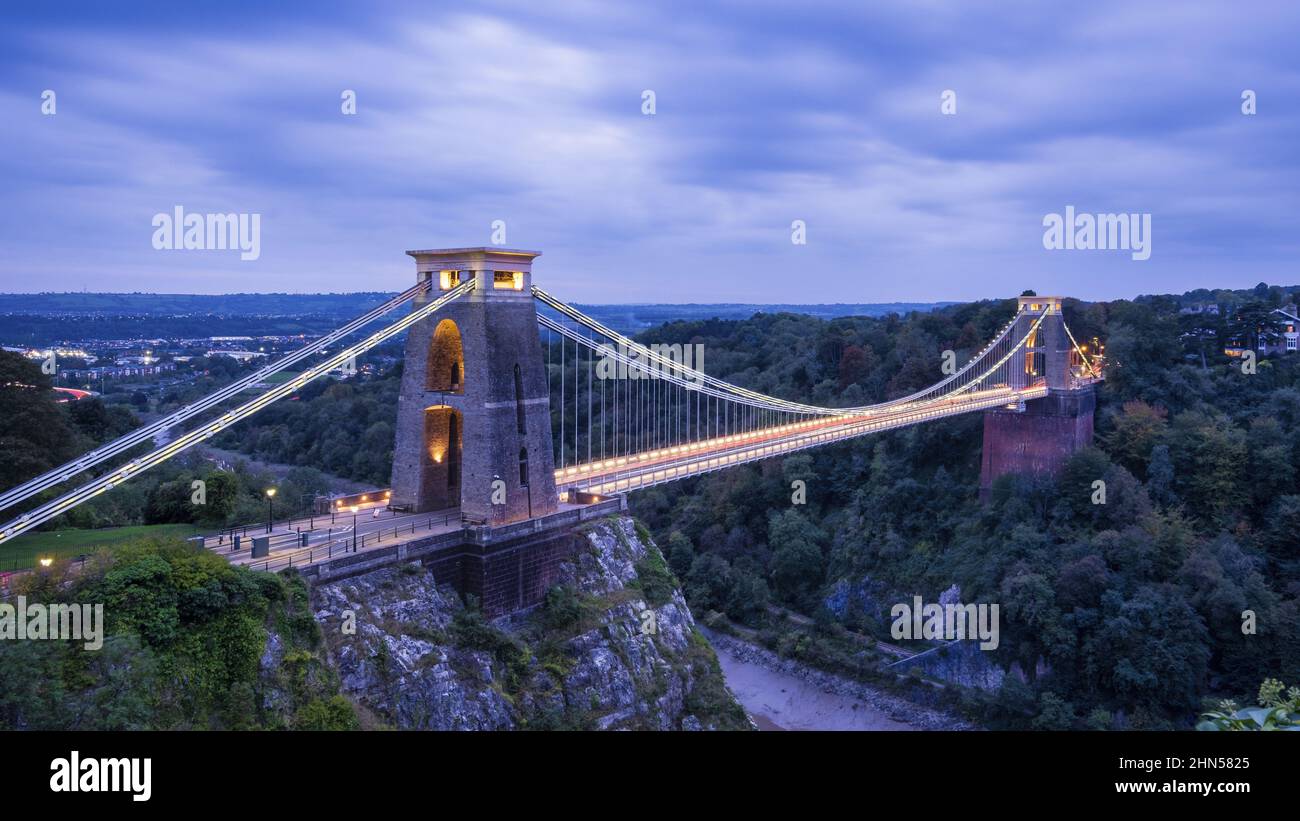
<point>185,647</point>
<point>1127,614</point>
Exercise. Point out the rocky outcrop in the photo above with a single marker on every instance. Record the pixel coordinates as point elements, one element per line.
<point>614,646</point>
<point>958,662</point>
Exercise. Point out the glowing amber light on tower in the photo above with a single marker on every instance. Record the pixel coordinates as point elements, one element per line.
<point>508,280</point>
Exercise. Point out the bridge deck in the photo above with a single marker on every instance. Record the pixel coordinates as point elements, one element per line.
<point>679,462</point>
<point>328,540</point>
<point>331,536</point>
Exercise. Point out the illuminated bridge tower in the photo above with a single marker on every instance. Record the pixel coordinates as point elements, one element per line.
<point>1038,438</point>
<point>474,408</point>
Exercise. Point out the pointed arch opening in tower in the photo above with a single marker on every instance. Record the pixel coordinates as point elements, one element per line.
<point>443,441</point>
<point>446,370</point>
<point>1033,354</point>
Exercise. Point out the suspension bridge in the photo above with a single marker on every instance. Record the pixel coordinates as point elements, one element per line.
<point>518,412</point>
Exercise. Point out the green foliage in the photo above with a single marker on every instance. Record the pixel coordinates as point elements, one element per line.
<point>681,553</point>
<point>797,565</point>
<point>1277,711</point>
<point>1054,713</point>
<point>562,607</point>
<point>35,435</point>
<point>709,697</point>
<point>185,636</point>
<point>333,713</point>
<point>469,629</point>
<point>654,578</point>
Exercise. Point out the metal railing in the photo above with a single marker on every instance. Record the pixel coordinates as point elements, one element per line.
<point>226,536</point>
<point>353,543</point>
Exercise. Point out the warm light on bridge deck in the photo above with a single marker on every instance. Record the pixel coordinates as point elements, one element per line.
<point>647,468</point>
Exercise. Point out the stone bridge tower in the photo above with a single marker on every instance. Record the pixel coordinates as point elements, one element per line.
<point>1038,439</point>
<point>474,408</point>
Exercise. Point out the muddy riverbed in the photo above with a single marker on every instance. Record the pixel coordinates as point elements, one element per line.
<point>780,694</point>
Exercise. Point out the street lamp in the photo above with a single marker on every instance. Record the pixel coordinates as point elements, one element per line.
<point>270,501</point>
<point>354,528</point>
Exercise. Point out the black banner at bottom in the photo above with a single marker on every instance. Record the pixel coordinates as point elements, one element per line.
<point>135,773</point>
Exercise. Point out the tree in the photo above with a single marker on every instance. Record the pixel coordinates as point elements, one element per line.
<point>1054,713</point>
<point>1160,475</point>
<point>222,492</point>
<point>333,713</point>
<point>681,553</point>
<point>34,434</point>
<point>101,422</point>
<point>797,564</point>
<point>1209,456</point>
<point>709,582</point>
<point>1082,582</point>
<point>1137,430</point>
<point>855,364</point>
<point>171,502</point>
<point>1149,650</point>
<point>1284,523</point>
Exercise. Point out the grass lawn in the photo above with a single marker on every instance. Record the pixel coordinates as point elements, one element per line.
<point>23,551</point>
<point>281,377</point>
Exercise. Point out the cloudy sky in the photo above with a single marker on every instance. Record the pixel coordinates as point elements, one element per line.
<point>765,113</point>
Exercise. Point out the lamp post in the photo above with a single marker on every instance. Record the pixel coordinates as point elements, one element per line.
<point>354,528</point>
<point>270,502</point>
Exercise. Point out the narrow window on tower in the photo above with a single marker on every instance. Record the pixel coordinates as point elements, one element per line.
<point>455,375</point>
<point>523,467</point>
<point>453,452</point>
<point>519,401</point>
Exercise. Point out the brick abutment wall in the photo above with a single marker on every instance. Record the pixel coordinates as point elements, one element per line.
<point>1038,441</point>
<point>507,568</point>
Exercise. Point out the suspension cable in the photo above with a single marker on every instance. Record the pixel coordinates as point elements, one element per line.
<point>91,489</point>
<point>124,443</point>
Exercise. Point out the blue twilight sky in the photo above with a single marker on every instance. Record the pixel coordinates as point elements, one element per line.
<point>767,112</point>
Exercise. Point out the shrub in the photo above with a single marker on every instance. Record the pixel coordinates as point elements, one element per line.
<point>333,713</point>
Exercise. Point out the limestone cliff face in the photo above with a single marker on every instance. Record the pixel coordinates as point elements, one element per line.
<point>614,646</point>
